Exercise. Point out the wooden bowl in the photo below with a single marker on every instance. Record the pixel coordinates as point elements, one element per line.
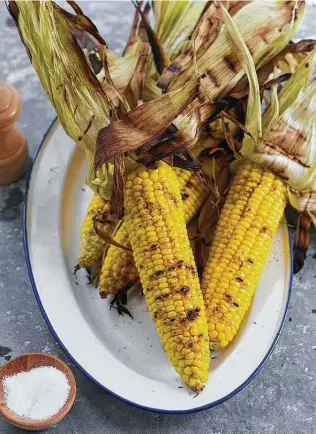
<point>26,362</point>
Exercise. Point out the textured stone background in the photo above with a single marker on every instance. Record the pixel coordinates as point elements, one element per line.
<point>280,400</point>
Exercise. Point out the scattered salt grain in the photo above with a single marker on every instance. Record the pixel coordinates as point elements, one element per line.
<point>37,394</point>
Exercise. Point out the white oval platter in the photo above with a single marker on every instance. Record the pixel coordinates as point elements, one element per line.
<point>122,355</point>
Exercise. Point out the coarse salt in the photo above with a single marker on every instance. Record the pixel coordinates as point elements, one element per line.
<point>37,394</point>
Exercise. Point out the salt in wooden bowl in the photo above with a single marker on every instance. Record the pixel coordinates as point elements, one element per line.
<point>26,362</point>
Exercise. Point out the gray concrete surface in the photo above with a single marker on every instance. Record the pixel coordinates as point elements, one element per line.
<point>280,400</point>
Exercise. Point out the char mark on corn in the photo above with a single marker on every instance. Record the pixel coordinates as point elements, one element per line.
<point>118,266</point>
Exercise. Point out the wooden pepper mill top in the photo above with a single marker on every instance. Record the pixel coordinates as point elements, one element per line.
<point>14,158</point>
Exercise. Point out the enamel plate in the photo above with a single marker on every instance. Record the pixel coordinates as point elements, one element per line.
<point>121,355</point>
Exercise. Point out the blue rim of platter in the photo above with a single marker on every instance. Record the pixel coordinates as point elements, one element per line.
<point>77,364</point>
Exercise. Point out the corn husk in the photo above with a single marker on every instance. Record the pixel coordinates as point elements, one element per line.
<point>203,35</point>
<point>283,64</point>
<point>125,135</point>
<point>150,91</point>
<point>217,58</point>
<point>301,241</point>
<point>289,59</point>
<point>213,136</point>
<point>121,69</point>
<point>134,29</point>
<point>287,145</point>
<point>190,121</point>
<point>215,168</point>
<point>221,69</point>
<point>83,106</point>
<point>259,25</point>
<point>253,116</point>
<point>205,31</point>
<point>182,25</point>
<point>175,22</point>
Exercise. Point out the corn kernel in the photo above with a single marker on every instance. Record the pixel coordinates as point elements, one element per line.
<point>165,230</point>
<point>188,370</point>
<point>248,220</point>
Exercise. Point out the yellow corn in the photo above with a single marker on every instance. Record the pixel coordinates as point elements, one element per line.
<point>119,269</point>
<point>193,191</point>
<point>91,245</point>
<point>240,249</point>
<point>164,259</point>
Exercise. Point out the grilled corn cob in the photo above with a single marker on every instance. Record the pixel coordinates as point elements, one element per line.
<point>119,269</point>
<point>240,248</point>
<point>164,259</point>
<point>91,245</point>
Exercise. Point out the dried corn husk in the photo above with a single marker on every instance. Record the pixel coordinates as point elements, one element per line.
<point>121,69</point>
<point>282,64</point>
<point>301,241</point>
<point>287,145</point>
<point>215,168</point>
<point>143,124</point>
<point>204,32</point>
<point>83,106</point>
<point>247,61</point>
<point>176,118</point>
<point>213,136</point>
<point>150,91</point>
<point>259,24</point>
<point>175,21</point>
<point>288,60</point>
<point>221,69</point>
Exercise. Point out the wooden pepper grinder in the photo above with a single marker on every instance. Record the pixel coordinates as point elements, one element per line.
<point>14,159</point>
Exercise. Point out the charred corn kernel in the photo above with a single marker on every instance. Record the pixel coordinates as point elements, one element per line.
<point>254,193</point>
<point>91,245</point>
<point>118,266</point>
<point>193,193</point>
<point>188,328</point>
